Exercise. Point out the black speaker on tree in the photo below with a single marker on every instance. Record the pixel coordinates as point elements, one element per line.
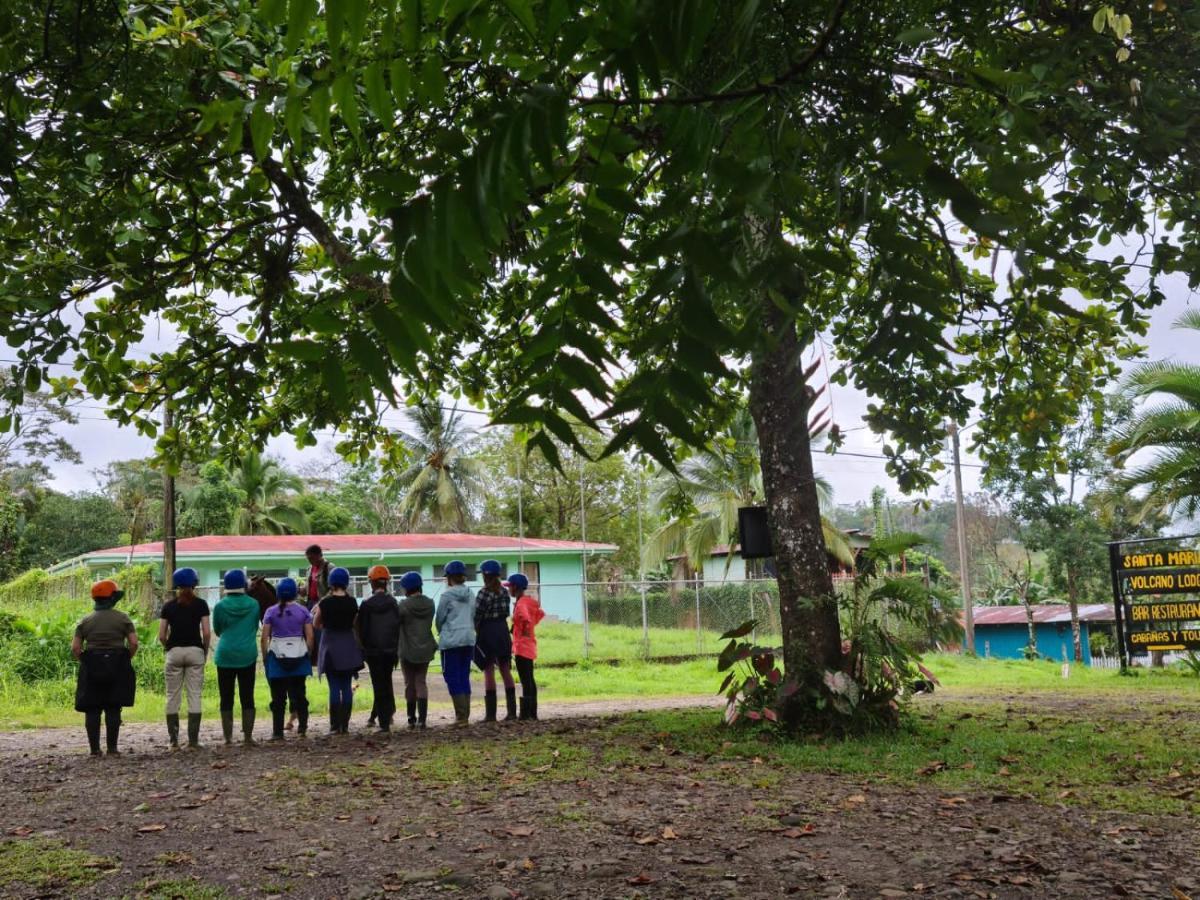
<point>754,533</point>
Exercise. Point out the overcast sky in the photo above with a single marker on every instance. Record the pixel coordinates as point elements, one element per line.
<point>101,441</point>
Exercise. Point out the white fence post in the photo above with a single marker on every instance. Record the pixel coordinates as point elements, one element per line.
<point>587,631</point>
<point>699,629</point>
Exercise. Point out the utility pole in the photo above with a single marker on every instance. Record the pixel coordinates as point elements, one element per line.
<point>168,512</point>
<point>960,520</point>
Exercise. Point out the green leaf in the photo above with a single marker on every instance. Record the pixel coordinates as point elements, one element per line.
<point>916,35</point>
<point>432,87</point>
<point>33,379</point>
<point>293,117</point>
<point>301,349</point>
<point>335,18</point>
<point>522,11</point>
<point>356,18</point>
<point>344,91</point>
<point>741,631</point>
<point>378,97</point>
<point>410,24</point>
<point>401,78</point>
<point>319,104</point>
<point>300,13</point>
<point>273,11</point>
<point>261,128</point>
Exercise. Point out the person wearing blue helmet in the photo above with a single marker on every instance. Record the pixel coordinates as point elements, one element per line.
<point>235,620</point>
<point>455,622</point>
<point>287,645</point>
<point>493,643</point>
<point>339,657</point>
<point>183,630</point>
<point>417,646</point>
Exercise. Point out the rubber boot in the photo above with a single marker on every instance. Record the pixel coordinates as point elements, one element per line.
<point>533,706</point>
<point>347,711</point>
<point>335,718</point>
<point>227,725</point>
<point>173,730</point>
<point>91,724</point>
<point>422,711</point>
<point>302,721</point>
<point>510,701</point>
<point>462,709</point>
<point>248,716</point>
<point>412,713</point>
<point>112,731</point>
<point>489,706</point>
<point>194,731</point>
<point>277,719</point>
<point>524,714</point>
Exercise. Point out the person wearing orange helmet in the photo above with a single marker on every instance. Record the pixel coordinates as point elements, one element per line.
<point>378,626</point>
<point>104,643</point>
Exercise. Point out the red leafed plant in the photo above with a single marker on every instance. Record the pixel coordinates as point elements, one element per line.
<point>751,686</point>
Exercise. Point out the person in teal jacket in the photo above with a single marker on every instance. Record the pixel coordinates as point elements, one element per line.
<point>455,622</point>
<point>235,621</point>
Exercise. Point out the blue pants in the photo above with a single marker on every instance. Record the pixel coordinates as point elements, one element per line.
<point>456,669</point>
<point>340,692</point>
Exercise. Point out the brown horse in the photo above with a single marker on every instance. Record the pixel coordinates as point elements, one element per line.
<point>264,592</point>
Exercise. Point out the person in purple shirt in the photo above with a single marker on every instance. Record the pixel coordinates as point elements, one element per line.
<point>287,644</point>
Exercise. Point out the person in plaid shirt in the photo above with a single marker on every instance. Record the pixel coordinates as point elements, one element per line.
<point>493,642</point>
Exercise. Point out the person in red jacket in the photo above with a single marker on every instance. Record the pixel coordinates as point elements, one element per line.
<point>527,612</point>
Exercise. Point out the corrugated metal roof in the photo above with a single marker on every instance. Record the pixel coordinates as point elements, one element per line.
<point>351,543</point>
<point>1043,613</point>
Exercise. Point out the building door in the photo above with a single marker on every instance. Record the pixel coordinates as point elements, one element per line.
<point>532,571</point>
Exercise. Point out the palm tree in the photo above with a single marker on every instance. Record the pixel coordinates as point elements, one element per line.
<point>702,501</point>
<point>1170,428</point>
<point>266,507</point>
<point>445,478</point>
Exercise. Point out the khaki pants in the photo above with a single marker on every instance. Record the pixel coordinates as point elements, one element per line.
<point>185,668</point>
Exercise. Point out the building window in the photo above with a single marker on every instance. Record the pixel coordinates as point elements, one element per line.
<point>439,571</point>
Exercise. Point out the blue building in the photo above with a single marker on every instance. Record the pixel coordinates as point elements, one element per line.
<point>1002,632</point>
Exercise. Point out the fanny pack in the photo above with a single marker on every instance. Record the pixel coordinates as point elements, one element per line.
<point>289,647</point>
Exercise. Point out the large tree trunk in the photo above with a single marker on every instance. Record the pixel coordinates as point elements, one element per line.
<point>1073,603</point>
<point>808,611</point>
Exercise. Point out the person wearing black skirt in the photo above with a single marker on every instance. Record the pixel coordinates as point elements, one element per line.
<point>105,642</point>
<point>493,642</point>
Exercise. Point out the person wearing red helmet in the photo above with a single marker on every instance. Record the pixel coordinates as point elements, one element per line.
<point>526,614</point>
<point>104,643</point>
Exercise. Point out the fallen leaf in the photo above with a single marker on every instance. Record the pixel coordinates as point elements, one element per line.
<point>647,840</point>
<point>528,864</point>
<point>372,820</point>
<point>856,798</point>
<point>1003,770</point>
<point>669,834</point>
<point>515,830</point>
<point>156,826</point>
<point>641,878</point>
<point>953,801</point>
<point>20,831</point>
<point>932,768</point>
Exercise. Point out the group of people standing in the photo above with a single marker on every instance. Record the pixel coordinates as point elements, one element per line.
<point>294,628</point>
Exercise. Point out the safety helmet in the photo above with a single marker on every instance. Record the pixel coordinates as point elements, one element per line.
<point>235,580</point>
<point>339,577</point>
<point>519,581</point>
<point>490,567</point>
<point>286,589</point>
<point>411,581</point>
<point>456,567</point>
<point>377,573</point>
<point>106,590</point>
<point>185,578</point>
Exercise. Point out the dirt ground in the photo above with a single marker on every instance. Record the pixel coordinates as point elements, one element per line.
<point>618,815</point>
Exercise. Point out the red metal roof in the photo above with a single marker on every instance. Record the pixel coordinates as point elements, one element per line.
<point>352,543</point>
<point>1043,613</point>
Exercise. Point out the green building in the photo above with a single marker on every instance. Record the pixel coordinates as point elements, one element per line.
<point>554,568</point>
